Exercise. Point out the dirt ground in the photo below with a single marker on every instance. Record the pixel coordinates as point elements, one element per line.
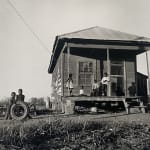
<point>112,117</point>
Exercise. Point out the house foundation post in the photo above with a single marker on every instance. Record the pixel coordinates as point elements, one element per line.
<point>69,106</point>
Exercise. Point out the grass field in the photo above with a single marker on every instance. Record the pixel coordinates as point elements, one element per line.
<point>85,132</point>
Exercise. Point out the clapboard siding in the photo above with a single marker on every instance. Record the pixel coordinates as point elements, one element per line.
<point>55,75</point>
<point>99,67</point>
<point>74,69</point>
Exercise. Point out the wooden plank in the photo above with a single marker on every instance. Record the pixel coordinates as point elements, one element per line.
<point>62,66</point>
<point>68,63</point>
<point>130,74</point>
<point>69,106</point>
<point>101,98</point>
<point>125,78</point>
<point>146,48</point>
<point>126,106</point>
<point>62,72</point>
<point>147,64</point>
<point>120,47</point>
<point>108,72</point>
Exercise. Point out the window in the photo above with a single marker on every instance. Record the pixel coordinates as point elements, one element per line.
<point>85,73</point>
<point>117,68</point>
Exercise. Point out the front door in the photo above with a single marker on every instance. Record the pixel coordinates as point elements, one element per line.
<point>117,78</point>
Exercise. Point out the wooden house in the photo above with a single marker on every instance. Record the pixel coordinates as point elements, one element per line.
<point>142,87</point>
<point>87,55</point>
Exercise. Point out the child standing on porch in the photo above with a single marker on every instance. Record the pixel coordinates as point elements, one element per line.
<point>69,84</point>
<point>95,87</point>
<point>81,92</point>
<point>105,81</point>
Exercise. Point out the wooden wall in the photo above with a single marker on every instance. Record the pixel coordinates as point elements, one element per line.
<point>99,67</point>
<point>74,69</point>
<point>57,69</point>
<point>130,73</point>
<point>142,84</point>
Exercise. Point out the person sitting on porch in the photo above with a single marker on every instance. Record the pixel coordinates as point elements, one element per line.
<point>95,88</point>
<point>119,92</point>
<point>69,84</point>
<point>132,89</point>
<point>81,92</point>
<point>105,81</point>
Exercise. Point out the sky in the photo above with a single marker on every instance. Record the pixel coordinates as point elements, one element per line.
<point>23,58</point>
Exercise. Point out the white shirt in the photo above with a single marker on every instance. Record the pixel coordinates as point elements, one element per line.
<point>105,80</point>
<point>69,84</point>
<point>81,91</point>
<point>95,86</point>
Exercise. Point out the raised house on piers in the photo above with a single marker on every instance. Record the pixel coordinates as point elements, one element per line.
<point>87,54</point>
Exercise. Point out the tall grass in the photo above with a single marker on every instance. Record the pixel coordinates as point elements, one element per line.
<point>71,135</point>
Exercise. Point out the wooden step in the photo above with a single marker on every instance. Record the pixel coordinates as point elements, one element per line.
<point>141,108</point>
<point>137,106</point>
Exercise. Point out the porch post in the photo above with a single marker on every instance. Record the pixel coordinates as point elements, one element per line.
<point>62,67</point>
<point>68,62</point>
<point>62,79</point>
<point>108,70</point>
<point>125,78</point>
<point>148,73</point>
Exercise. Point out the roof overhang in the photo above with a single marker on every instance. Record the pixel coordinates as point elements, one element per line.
<point>60,43</point>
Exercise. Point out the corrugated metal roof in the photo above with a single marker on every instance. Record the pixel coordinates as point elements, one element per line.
<point>100,33</point>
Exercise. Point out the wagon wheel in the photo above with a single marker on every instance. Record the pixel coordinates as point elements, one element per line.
<point>19,111</point>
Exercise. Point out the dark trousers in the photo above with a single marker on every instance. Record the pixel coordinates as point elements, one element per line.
<point>8,116</point>
<point>95,92</point>
<point>105,89</point>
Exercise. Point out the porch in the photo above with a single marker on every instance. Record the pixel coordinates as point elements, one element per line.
<point>89,63</point>
<point>127,102</point>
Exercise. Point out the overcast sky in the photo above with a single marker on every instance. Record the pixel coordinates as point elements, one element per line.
<point>23,59</point>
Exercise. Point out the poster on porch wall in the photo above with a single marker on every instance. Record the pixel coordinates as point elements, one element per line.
<point>45,43</point>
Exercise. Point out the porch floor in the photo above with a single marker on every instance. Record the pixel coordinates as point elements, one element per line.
<point>70,101</point>
<point>100,98</point>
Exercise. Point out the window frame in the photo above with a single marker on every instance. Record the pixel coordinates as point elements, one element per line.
<point>85,73</point>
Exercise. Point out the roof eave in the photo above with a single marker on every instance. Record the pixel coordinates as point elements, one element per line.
<point>59,42</point>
